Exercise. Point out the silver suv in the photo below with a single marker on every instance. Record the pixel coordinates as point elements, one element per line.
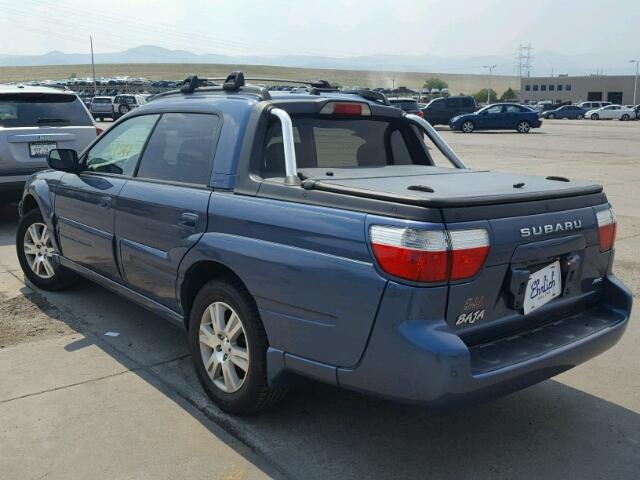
<point>33,121</point>
<point>101,108</point>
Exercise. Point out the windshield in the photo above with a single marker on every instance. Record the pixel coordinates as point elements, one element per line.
<point>38,109</point>
<point>347,143</point>
<point>484,108</point>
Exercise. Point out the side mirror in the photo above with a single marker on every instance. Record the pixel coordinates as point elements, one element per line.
<point>63,159</point>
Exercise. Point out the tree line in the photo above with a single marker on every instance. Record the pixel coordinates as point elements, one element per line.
<point>480,96</point>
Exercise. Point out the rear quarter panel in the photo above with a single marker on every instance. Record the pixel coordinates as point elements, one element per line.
<point>308,268</point>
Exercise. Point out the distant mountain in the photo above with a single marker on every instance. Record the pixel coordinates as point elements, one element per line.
<point>544,63</point>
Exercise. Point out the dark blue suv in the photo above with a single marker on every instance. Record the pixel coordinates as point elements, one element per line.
<point>313,234</point>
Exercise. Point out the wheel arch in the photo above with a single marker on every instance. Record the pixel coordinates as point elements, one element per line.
<point>29,203</point>
<point>196,276</point>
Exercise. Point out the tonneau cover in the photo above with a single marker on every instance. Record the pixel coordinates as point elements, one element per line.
<point>442,187</point>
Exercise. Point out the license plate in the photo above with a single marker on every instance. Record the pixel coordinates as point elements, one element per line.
<point>41,149</point>
<point>542,287</point>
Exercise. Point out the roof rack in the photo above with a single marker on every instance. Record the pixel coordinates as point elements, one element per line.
<point>232,82</point>
<point>235,82</point>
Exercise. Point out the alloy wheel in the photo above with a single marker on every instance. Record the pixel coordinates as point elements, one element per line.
<point>38,250</point>
<point>523,127</point>
<point>467,127</point>
<point>224,347</point>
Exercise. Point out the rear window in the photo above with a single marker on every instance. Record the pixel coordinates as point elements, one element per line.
<point>40,109</point>
<point>128,99</point>
<point>101,100</point>
<point>406,104</point>
<point>467,102</point>
<point>332,143</point>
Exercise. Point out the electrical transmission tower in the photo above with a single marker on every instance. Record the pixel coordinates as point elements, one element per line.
<point>524,60</point>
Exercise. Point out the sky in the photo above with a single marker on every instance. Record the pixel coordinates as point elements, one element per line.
<point>338,28</point>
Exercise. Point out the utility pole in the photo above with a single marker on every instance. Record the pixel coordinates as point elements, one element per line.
<point>490,67</point>
<point>93,66</point>
<point>635,86</point>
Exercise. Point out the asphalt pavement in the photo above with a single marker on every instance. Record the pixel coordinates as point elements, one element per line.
<point>93,386</point>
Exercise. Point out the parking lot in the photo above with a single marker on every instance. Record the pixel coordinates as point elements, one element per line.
<point>94,386</point>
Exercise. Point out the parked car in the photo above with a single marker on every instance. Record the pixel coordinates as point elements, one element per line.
<point>408,105</point>
<point>33,121</point>
<point>612,112</point>
<point>123,104</point>
<point>101,108</point>
<point>441,110</point>
<point>593,105</point>
<point>499,116</point>
<point>572,112</point>
<point>313,234</point>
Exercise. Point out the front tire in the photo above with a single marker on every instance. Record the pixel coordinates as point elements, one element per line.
<point>551,116</point>
<point>523,127</point>
<point>467,127</point>
<point>625,118</point>
<point>595,116</point>
<point>229,348</point>
<point>579,116</point>
<point>36,254</point>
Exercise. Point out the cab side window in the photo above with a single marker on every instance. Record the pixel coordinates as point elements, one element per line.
<point>181,149</point>
<point>118,150</point>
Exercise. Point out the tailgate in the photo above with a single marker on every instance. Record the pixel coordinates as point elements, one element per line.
<point>25,149</point>
<point>560,250</point>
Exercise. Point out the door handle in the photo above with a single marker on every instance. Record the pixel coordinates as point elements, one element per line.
<point>105,202</point>
<point>189,220</point>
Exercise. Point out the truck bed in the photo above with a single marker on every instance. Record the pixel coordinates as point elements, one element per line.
<point>443,187</point>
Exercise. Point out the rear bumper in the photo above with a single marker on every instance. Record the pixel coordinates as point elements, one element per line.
<point>11,186</point>
<point>425,362</point>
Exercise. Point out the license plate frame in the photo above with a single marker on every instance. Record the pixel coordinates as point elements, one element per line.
<point>35,152</point>
<point>543,286</point>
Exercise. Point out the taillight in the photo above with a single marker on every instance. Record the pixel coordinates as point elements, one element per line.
<point>469,250</point>
<point>346,108</point>
<point>606,228</point>
<point>420,113</point>
<point>99,131</point>
<point>429,255</point>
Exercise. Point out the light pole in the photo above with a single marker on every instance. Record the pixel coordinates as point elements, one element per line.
<point>490,67</point>
<point>635,86</point>
<point>93,66</point>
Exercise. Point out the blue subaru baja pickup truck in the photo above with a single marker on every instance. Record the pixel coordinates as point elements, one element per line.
<point>313,234</point>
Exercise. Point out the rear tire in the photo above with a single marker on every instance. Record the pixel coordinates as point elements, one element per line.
<point>467,127</point>
<point>123,109</point>
<point>229,348</point>
<point>36,254</point>
<point>523,127</point>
